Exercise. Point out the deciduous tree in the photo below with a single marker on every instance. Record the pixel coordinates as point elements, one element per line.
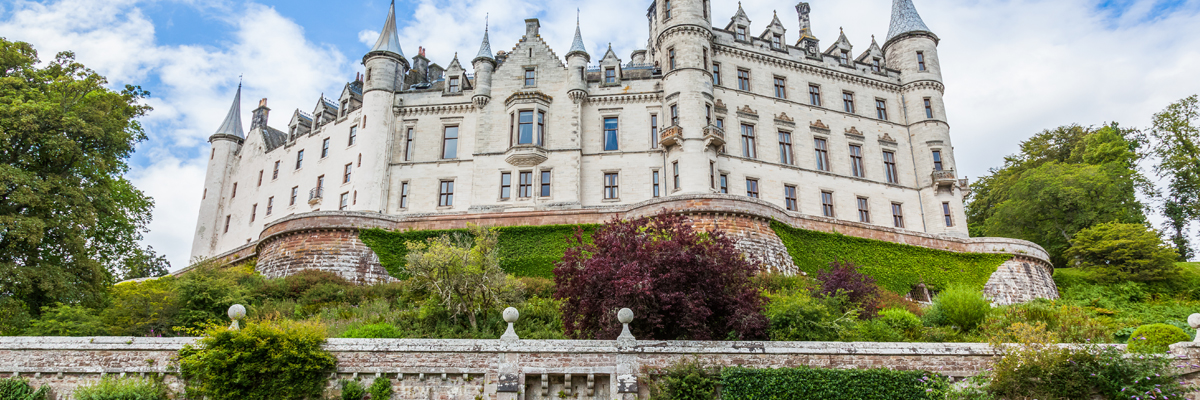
<point>1176,145</point>
<point>463,270</point>
<point>1123,252</point>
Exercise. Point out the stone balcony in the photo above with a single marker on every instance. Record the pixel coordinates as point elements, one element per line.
<point>526,155</point>
<point>315,195</point>
<point>714,136</point>
<point>670,136</point>
<point>945,178</point>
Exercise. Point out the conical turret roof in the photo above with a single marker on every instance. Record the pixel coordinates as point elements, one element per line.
<point>233,121</point>
<point>389,40</point>
<point>577,44</point>
<point>485,49</point>
<point>905,19</point>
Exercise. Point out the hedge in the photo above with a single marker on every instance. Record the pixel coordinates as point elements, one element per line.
<point>896,267</point>
<point>804,383</point>
<point>524,250</point>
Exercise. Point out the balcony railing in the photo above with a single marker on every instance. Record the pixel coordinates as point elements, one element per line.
<point>714,136</point>
<point>526,155</point>
<point>315,195</point>
<point>670,135</point>
<point>944,178</point>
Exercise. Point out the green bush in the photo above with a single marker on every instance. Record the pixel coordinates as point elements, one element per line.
<point>902,322</point>
<point>1071,324</point>
<point>381,389</point>
<point>352,390</point>
<point>67,320</point>
<point>962,307</point>
<point>206,292</point>
<point>896,267</point>
<point>524,250</point>
<point>381,330</point>
<point>686,380</point>
<point>1155,338</point>
<point>19,389</point>
<point>14,316</point>
<point>1118,252</point>
<point>874,330</point>
<point>263,361</point>
<point>124,389</point>
<point>796,315</point>
<point>146,308</point>
<point>804,383</point>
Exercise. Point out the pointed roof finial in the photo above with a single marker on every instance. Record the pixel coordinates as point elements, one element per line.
<point>905,20</point>
<point>577,44</point>
<point>485,48</point>
<point>233,121</point>
<point>389,39</point>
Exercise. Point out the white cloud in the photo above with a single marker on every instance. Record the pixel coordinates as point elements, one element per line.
<point>368,37</point>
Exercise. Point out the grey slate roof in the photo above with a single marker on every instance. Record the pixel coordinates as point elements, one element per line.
<point>485,49</point>
<point>355,87</point>
<point>233,121</point>
<point>577,44</point>
<point>905,19</point>
<point>389,40</point>
<point>273,138</point>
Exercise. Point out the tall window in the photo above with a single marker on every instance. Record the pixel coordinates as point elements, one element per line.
<point>610,75</point>
<point>724,181</point>
<point>344,201</point>
<point>525,185</point>
<point>525,127</point>
<point>611,190</point>
<point>743,77</point>
<point>707,114</point>
<point>827,204</point>
<point>864,211</point>
<point>671,57</point>
<point>848,101</point>
<point>897,215</point>
<point>889,167</point>
<point>667,9</point>
<point>295,192</point>
<point>530,77</point>
<point>275,171</point>
<point>346,172</point>
<point>875,65</point>
<point>270,204</point>
<point>454,87</point>
<point>610,134</point>
<point>299,159</point>
<point>446,194</point>
<point>844,58</point>
<point>325,148</point>
<point>505,185</point>
<point>253,212</point>
<point>675,115</point>
<point>260,175</point>
<point>881,109</point>
<point>789,197</point>
<point>408,144</point>
<point>320,185</point>
<point>704,52</point>
<point>928,108</point>
<point>404,194</point>
<point>937,160</point>
<point>675,172</point>
<point>226,224</point>
<point>776,42</point>
<point>920,61</point>
<point>748,148</point>
<point>450,142</point>
<point>353,135</point>
<point>785,148</point>
<point>819,145</point>
<point>545,184</point>
<point>712,174</point>
<point>234,192</point>
<point>946,214</point>
<point>752,187</point>
<point>654,183</point>
<point>740,33</point>
<point>541,128</point>
<point>780,88</point>
<point>716,74</point>
<point>654,131</point>
<point>856,161</point>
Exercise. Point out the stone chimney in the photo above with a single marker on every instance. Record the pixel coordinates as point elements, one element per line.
<point>260,115</point>
<point>531,28</point>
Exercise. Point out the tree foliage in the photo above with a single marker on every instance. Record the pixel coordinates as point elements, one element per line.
<point>263,361</point>
<point>1123,252</point>
<point>680,283</point>
<point>69,222</point>
<point>462,270</point>
<point>1064,180</point>
<point>1176,144</point>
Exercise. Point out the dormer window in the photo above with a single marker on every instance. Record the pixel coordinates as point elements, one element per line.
<point>610,75</point>
<point>777,42</point>
<point>530,77</point>
<point>845,57</point>
<point>454,86</point>
<point>740,33</point>
<point>345,106</point>
<point>875,64</point>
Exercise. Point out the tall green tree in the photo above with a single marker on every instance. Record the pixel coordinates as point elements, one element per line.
<point>69,221</point>
<point>1176,145</point>
<point>1064,180</point>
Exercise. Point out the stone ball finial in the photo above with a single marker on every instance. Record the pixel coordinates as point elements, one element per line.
<point>236,312</point>
<point>625,315</point>
<point>511,314</point>
<point>1194,321</point>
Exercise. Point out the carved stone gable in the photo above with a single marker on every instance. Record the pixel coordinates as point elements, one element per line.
<point>819,125</point>
<point>746,110</point>
<point>784,117</point>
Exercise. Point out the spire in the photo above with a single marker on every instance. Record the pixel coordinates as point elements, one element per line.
<point>233,121</point>
<point>577,44</point>
<point>485,49</point>
<point>389,40</point>
<point>905,20</point>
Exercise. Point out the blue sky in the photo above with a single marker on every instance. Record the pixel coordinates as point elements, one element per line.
<point>1012,67</point>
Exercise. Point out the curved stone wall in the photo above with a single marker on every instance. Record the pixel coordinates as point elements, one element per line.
<point>329,240</point>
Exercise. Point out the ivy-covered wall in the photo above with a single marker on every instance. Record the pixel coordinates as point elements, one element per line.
<point>897,267</point>
<point>524,250</point>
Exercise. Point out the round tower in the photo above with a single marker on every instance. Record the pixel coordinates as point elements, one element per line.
<point>484,65</point>
<point>385,63</point>
<point>386,68</point>
<point>911,47</point>
<point>225,144</point>
<point>577,60</point>
<point>682,46</point>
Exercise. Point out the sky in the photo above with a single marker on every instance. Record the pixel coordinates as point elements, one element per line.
<point>1012,68</point>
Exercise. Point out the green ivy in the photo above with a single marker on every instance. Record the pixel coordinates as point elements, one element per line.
<point>804,383</point>
<point>896,267</point>
<point>524,250</point>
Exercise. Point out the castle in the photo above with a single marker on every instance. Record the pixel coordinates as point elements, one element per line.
<point>730,127</point>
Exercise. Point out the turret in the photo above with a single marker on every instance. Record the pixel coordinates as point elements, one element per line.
<point>225,144</point>
<point>577,60</point>
<point>484,65</point>
<point>385,62</point>
<point>682,50</point>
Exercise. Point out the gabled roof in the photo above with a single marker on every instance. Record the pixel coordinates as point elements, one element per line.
<point>273,138</point>
<point>610,57</point>
<point>842,43</point>
<point>389,39</point>
<point>233,120</point>
<point>873,51</point>
<point>905,20</point>
<point>739,18</point>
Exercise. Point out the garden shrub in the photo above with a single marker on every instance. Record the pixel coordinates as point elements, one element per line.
<point>536,287</point>
<point>381,330</point>
<point>874,330</point>
<point>805,383</point>
<point>20,389</point>
<point>1071,324</point>
<point>680,283</point>
<point>896,267</point>
<point>524,250</point>
<point>14,316</point>
<point>844,279</point>
<point>352,390</point>
<point>112,388</point>
<point>146,308</point>
<point>1117,252</point>
<point>380,389</point>
<point>902,321</point>
<point>772,282</point>
<point>889,299</point>
<point>796,315</point>
<point>262,361</point>
<point>67,320</point>
<point>1155,338</point>
<point>206,292</point>
<point>687,379</point>
<point>962,307</point>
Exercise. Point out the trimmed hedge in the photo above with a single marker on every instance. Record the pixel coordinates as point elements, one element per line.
<point>804,383</point>
<point>896,267</point>
<point>524,250</point>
